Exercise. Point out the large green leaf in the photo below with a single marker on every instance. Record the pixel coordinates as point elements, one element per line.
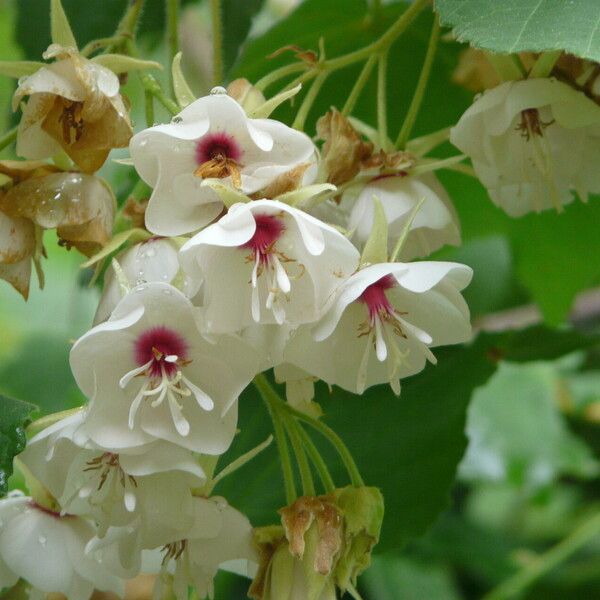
<point>550,252</point>
<point>14,416</point>
<point>517,25</point>
<point>517,432</point>
<point>393,577</point>
<point>237,19</point>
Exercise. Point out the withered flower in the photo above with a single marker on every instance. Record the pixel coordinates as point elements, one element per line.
<point>74,105</point>
<point>344,150</point>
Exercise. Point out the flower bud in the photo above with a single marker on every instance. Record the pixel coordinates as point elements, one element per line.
<point>249,97</point>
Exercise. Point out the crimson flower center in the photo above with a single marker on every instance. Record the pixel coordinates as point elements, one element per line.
<point>217,146</point>
<point>163,348</point>
<point>268,230</point>
<point>374,296</point>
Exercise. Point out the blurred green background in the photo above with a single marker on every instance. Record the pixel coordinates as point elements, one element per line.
<point>460,519</point>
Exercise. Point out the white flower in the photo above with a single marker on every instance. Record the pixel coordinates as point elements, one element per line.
<point>147,488</point>
<point>266,262</point>
<point>153,260</point>
<point>48,551</point>
<point>221,537</point>
<point>211,138</point>
<point>150,374</point>
<point>74,105</point>
<point>382,324</point>
<point>434,225</point>
<point>532,142</point>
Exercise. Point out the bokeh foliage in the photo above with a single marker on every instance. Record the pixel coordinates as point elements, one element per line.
<point>530,474</point>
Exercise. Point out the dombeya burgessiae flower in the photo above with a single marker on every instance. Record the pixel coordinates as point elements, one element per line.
<point>74,105</point>
<point>151,375</point>
<point>48,550</point>
<point>382,324</point>
<point>211,138</point>
<point>532,142</point>
<point>267,262</point>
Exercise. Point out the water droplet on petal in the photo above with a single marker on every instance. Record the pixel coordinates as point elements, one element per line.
<point>42,540</point>
<point>218,90</point>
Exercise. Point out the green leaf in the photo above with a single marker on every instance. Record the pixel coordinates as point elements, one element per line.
<point>517,432</point>
<point>550,253</point>
<point>16,414</point>
<point>518,25</point>
<point>237,20</point>
<point>60,30</point>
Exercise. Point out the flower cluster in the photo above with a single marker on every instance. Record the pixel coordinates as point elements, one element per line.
<point>257,278</point>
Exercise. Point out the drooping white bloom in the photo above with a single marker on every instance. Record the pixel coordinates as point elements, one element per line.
<point>267,262</point>
<point>434,225</point>
<point>531,143</point>
<point>151,374</point>
<point>153,260</point>
<point>383,323</point>
<point>74,105</point>
<point>211,138</point>
<point>48,550</point>
<point>146,488</point>
<point>221,537</point>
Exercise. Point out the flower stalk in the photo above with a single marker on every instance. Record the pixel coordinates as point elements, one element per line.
<point>415,104</point>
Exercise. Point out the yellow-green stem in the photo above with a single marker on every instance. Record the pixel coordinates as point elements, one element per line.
<point>335,441</point>
<point>382,100</point>
<point>415,104</point>
<point>308,486</point>
<point>127,25</point>
<point>377,47</point>
<point>271,399</point>
<point>308,101</point>
<point>317,460</point>
<point>359,85</point>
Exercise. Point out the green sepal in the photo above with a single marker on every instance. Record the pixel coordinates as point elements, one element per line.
<point>300,196</point>
<point>131,235</point>
<point>61,31</point>
<point>363,509</point>
<point>19,68</point>
<point>265,110</point>
<point>183,93</point>
<point>376,248</point>
<point>228,195</point>
<point>119,63</point>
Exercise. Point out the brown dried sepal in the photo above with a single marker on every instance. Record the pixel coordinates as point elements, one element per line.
<point>310,57</point>
<point>344,151</point>
<point>389,162</point>
<point>301,515</point>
